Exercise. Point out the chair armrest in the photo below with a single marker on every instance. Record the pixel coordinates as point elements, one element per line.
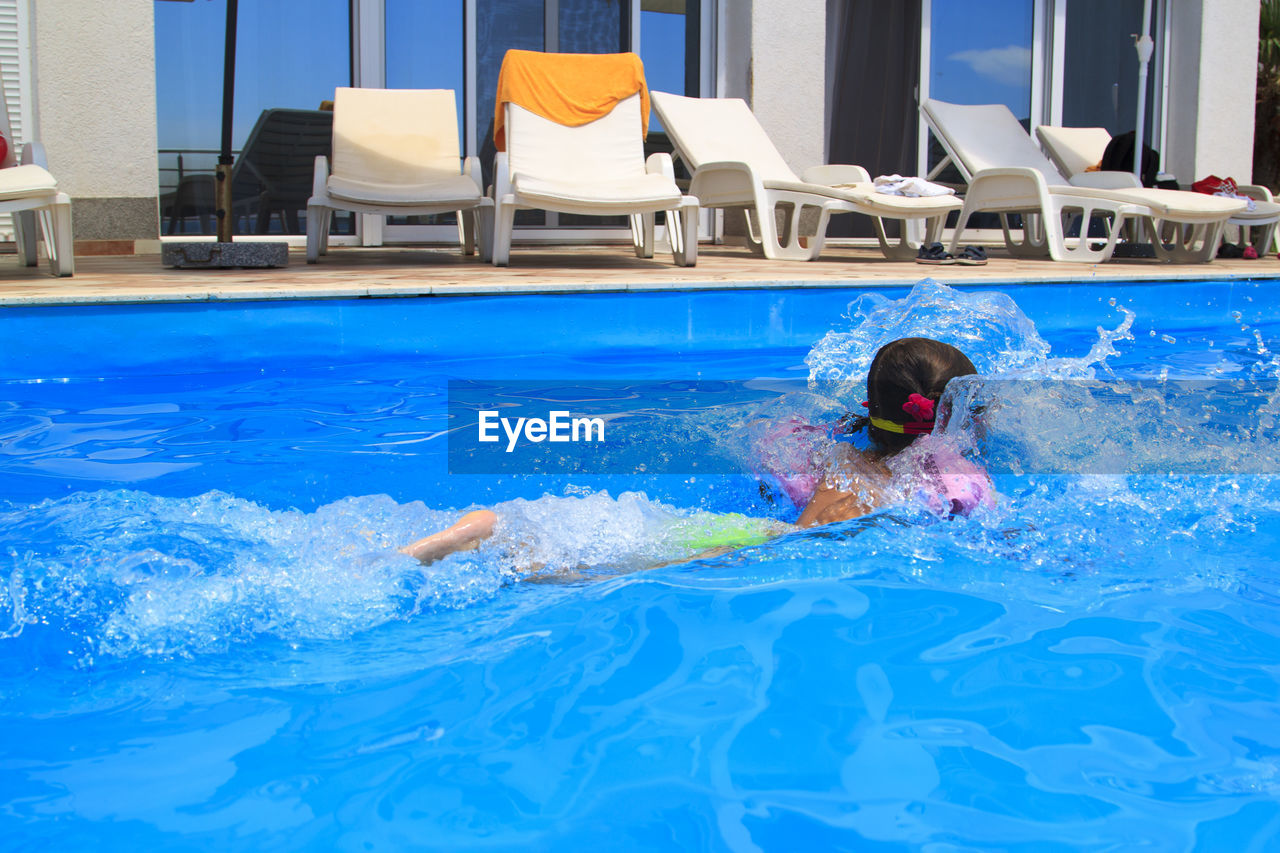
<point>320,178</point>
<point>834,174</point>
<point>660,163</point>
<point>1105,180</point>
<point>726,183</point>
<point>501,176</point>
<point>471,168</point>
<point>33,154</point>
<point>1255,192</point>
<point>733,166</point>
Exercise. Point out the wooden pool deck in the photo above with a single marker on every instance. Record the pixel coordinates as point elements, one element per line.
<point>416,271</point>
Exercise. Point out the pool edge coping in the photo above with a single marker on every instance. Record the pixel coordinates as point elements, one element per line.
<point>399,290</point>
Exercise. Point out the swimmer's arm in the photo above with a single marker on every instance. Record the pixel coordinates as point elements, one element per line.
<point>830,505</point>
<point>859,491</point>
<point>463,535</point>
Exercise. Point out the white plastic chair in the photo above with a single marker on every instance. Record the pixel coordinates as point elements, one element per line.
<point>735,164</point>
<point>30,193</point>
<point>598,169</point>
<point>1075,149</point>
<point>395,152</point>
<point>1007,173</point>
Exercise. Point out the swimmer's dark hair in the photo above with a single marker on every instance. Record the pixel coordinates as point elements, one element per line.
<point>904,367</point>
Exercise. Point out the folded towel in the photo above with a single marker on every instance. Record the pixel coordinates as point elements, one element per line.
<point>572,89</point>
<point>913,187</point>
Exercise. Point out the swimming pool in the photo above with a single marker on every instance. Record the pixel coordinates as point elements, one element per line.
<point>209,639</point>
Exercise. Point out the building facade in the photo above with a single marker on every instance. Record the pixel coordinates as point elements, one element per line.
<point>125,96</point>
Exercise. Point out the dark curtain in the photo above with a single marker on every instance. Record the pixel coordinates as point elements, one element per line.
<point>874,78</point>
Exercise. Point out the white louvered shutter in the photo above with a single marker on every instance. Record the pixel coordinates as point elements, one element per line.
<point>14,66</point>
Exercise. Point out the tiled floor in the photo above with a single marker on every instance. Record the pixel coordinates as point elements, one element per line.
<point>355,272</point>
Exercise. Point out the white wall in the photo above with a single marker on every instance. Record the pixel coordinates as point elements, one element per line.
<point>95,95</point>
<point>1213,58</point>
<point>789,76</point>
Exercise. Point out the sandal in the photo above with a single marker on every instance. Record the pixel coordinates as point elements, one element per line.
<point>972,256</point>
<point>934,253</point>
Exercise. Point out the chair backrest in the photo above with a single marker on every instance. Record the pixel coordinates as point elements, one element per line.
<point>395,136</point>
<point>1074,149</point>
<point>608,148</point>
<point>713,130</point>
<point>986,136</point>
<point>280,154</point>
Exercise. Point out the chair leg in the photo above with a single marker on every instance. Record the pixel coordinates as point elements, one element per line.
<point>1050,231</point>
<point>1034,242</point>
<point>466,231</point>
<point>961,223</point>
<point>1189,244</point>
<point>24,228</point>
<point>642,229</point>
<point>317,216</point>
<point>1262,237</point>
<point>754,243</point>
<point>483,215</point>
<point>904,248</point>
<point>326,224</point>
<point>58,238</point>
<point>504,223</point>
<point>774,249</point>
<point>682,231</point>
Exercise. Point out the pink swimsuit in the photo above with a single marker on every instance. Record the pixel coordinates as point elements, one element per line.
<point>791,453</point>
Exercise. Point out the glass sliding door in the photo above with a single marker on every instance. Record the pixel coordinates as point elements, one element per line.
<point>977,59</point>
<point>290,55</point>
<point>1100,68</point>
<point>424,48</point>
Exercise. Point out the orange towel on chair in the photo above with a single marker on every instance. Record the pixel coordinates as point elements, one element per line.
<point>568,88</point>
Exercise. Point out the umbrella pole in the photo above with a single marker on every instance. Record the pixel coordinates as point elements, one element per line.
<point>1144,45</point>
<point>225,160</point>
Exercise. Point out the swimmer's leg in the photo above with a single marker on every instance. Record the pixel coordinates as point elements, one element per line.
<point>463,535</point>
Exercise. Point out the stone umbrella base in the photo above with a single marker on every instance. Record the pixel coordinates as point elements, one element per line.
<point>225,255</point>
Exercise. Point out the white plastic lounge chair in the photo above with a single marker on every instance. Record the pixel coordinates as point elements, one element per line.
<point>29,192</point>
<point>1007,173</point>
<point>1075,149</point>
<point>597,169</point>
<point>395,152</point>
<point>735,164</point>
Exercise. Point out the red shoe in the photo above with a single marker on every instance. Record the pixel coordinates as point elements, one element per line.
<point>1250,253</point>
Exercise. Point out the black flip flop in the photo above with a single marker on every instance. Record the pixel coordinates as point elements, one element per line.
<point>972,256</point>
<point>934,253</point>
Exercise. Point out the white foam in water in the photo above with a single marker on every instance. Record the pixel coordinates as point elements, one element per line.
<point>134,573</point>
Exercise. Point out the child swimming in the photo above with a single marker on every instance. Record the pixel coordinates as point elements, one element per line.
<point>904,383</point>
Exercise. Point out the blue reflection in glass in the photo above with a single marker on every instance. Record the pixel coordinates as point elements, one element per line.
<point>662,47</point>
<point>982,58</point>
<point>424,48</point>
<point>424,44</point>
<point>289,53</point>
<point>590,26</point>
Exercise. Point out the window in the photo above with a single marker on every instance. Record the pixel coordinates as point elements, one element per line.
<point>290,54</point>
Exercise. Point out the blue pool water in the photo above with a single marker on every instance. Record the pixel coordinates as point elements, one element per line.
<point>209,641</point>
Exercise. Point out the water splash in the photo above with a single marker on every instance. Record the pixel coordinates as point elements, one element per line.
<point>987,326</point>
<point>124,573</point>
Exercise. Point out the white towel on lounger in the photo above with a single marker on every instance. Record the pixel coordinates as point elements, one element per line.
<point>914,187</point>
